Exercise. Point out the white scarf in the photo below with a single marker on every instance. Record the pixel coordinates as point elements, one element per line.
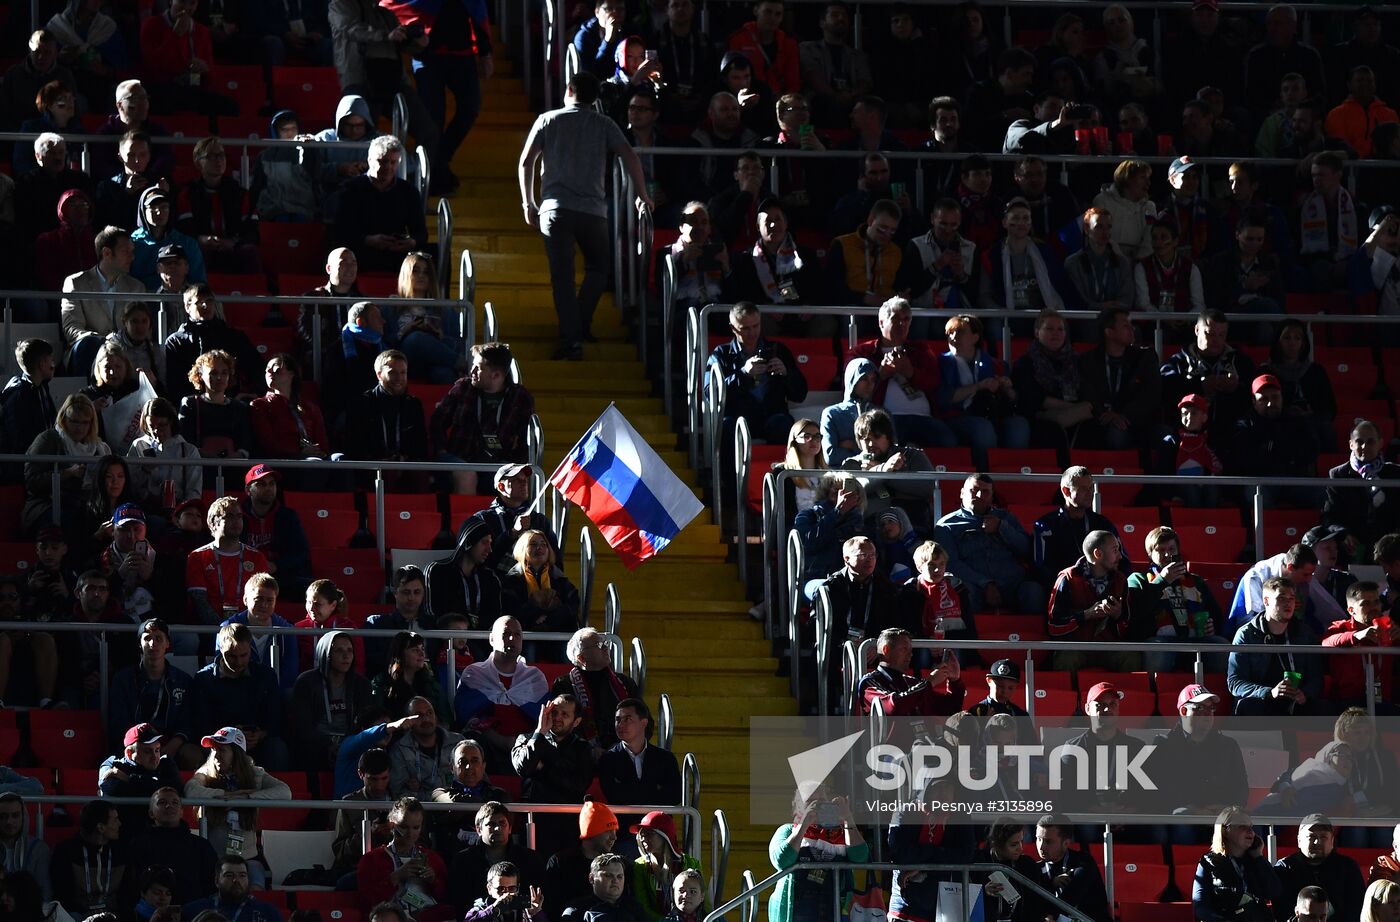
<point>527,687</point>
<point>1042,278</point>
<point>81,449</point>
<point>1314,222</point>
<point>100,29</point>
<point>789,263</point>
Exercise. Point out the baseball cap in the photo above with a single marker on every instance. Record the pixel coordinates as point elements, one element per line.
<point>1320,820</point>
<point>1262,382</point>
<point>258,472</point>
<point>595,819</point>
<point>50,534</point>
<point>1181,165</point>
<point>662,823</point>
<point>143,733</point>
<point>1103,690</point>
<point>1193,400</point>
<point>507,471</point>
<point>1005,669</point>
<point>194,504</point>
<point>154,624</point>
<point>172,251</point>
<point>128,512</point>
<point>1195,694</point>
<point>226,735</point>
<point>1320,533</point>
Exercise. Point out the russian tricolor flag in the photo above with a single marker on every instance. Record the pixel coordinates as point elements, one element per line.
<point>625,489</point>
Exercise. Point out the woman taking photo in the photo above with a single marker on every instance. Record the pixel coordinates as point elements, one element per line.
<point>230,774</point>
<point>822,829</point>
<point>159,488</point>
<point>429,336</point>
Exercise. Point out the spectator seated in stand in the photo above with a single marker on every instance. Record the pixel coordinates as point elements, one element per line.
<point>463,583</point>
<point>73,434</point>
<point>1269,444</point>
<point>1059,535</point>
<point>1275,686</point>
<point>1245,276</point>
<point>420,761</point>
<point>490,845</point>
<point>505,897</point>
<point>380,216</point>
<point>204,331</point>
<point>407,677</point>
<point>1365,514</point>
<point>989,551</point>
<point>902,693</point>
<point>429,336</point>
<point>509,517</point>
<point>86,322</point>
<point>284,178</point>
<point>1318,864</point>
<point>37,192</point>
<point>329,699</point>
<point>1299,565</point>
<point>484,417</point>
<point>761,377</point>
<point>1133,212</point>
<point>1169,604</point>
<point>1102,276</point>
<point>608,875</point>
<point>1234,871</point>
<point>908,377</point>
<point>234,691</point>
<point>879,453</point>
<point>635,771</point>
<point>546,599</point>
<point>177,53</point>
<point>1168,280</point>
<point>385,423</point>
<point>468,785</point>
<point>169,842</point>
<point>403,872</point>
<point>237,877</point>
<point>594,685</point>
<point>555,764</point>
<point>1364,626</point>
<point>63,251</point>
<point>287,423</point>
<point>96,839</point>
<point>326,609</point>
<point>659,863</point>
<point>499,697</point>
<point>336,166</point>
<point>26,406</point>
<point>1047,384</point>
<point>210,418</point>
<point>135,337</point>
<point>777,270</point>
<point>216,210</point>
<point>836,515</point>
<point>409,588</point>
<point>1072,873</point>
<point>874,186</point>
<point>139,770</point>
<point>975,395</point>
<point>941,268</point>
<point>1328,224</point>
<point>1090,602</point>
<point>118,196</point>
<point>348,846</point>
<point>599,36</point>
<point>231,773</point>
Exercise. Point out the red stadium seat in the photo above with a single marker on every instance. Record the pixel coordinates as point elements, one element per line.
<point>1213,542</point>
<point>9,744</point>
<point>1284,528</point>
<point>950,459</point>
<point>430,395</point>
<point>1055,702</point>
<point>1123,854</point>
<point>408,528</point>
<point>1012,628</point>
<point>1138,883</point>
<point>18,555</point>
<point>761,463</point>
<point>1133,524</point>
<point>277,898</point>
<point>271,340</point>
<point>359,572</point>
<point>311,91</point>
<point>1103,465</point>
<point>81,782</point>
<point>1223,578</point>
<point>67,739</point>
<point>1126,681</point>
<point>246,85</point>
<point>291,247</point>
<point>331,527</point>
<point>228,283</point>
<point>1157,912</point>
<point>1052,678</point>
<point>1023,461</point>
<point>333,906</point>
<point>465,506</point>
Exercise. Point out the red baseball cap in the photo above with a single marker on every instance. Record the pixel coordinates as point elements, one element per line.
<point>1103,690</point>
<point>1264,381</point>
<point>1195,694</point>
<point>258,472</point>
<point>1193,400</point>
<point>141,733</point>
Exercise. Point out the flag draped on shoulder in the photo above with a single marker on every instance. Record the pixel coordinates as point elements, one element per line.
<point>625,489</point>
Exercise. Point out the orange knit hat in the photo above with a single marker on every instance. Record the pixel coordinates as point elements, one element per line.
<point>595,819</point>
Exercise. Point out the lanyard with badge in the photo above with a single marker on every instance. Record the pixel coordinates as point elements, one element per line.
<point>97,899</point>
<point>492,439</point>
<point>411,894</point>
<point>219,571</point>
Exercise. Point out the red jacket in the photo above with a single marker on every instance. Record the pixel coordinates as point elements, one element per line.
<point>166,55</point>
<point>920,354</point>
<point>372,877</point>
<point>275,427</point>
<point>1349,672</point>
<point>783,73</point>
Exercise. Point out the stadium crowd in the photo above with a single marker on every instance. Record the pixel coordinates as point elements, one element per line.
<point>397,720</point>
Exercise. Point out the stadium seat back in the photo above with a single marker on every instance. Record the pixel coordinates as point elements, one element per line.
<point>67,738</point>
<point>292,247</point>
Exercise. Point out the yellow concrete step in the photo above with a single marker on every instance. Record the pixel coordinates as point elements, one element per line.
<point>541,350</point>
<point>526,243</point>
<point>680,589</point>
<point>725,685</point>
<point>666,648</point>
<point>713,709</point>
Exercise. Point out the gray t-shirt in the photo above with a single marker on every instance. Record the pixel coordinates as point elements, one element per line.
<point>574,144</point>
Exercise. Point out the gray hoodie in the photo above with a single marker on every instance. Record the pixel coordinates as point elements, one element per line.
<point>839,420</point>
<point>29,853</point>
<point>320,739</point>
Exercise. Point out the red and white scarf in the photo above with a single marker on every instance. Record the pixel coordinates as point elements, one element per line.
<point>788,264</point>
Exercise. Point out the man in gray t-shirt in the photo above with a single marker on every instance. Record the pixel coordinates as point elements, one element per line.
<point>571,147</point>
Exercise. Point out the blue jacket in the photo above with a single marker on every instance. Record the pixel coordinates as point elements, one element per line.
<point>1251,675</point>
<point>756,400</point>
<point>984,365</point>
<point>839,420</point>
<point>134,699</point>
<point>347,758</point>
<point>251,700</point>
<point>823,530</point>
<point>978,558</point>
<point>143,264</point>
<point>595,55</point>
<point>290,650</point>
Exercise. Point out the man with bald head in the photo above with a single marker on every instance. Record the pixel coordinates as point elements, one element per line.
<point>723,130</point>
<point>499,698</point>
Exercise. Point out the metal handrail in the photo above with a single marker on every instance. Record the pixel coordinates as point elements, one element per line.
<point>715,396</point>
<point>821,619</point>
<point>665,722</point>
<point>769,531</point>
<point>743,458</point>
<point>668,312</point>
<point>612,609</point>
<point>719,855</point>
<point>445,226</point>
<point>690,792</point>
<point>749,910</point>
<point>637,666</point>
<point>466,279</point>
<point>587,563</point>
<point>694,425</point>
<point>557,511</point>
<point>399,119</point>
<point>967,870</point>
<point>421,180</point>
<point>795,559</point>
<point>641,259</point>
<point>489,332</point>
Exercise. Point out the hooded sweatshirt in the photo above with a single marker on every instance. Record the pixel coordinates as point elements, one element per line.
<point>839,420</point>
<point>149,240</point>
<point>477,596</point>
<point>66,250</point>
<point>283,182</point>
<point>27,853</point>
<point>329,160</point>
<point>324,717</point>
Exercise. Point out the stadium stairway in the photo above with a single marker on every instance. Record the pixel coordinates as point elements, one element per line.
<point>687,605</point>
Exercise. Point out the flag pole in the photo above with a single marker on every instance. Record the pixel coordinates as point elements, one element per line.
<point>539,495</point>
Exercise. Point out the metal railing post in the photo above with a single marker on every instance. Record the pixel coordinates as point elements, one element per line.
<point>1258,509</point>
<point>382,531</point>
<point>637,666</point>
<point>586,565</point>
<point>665,722</point>
<point>743,449</point>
